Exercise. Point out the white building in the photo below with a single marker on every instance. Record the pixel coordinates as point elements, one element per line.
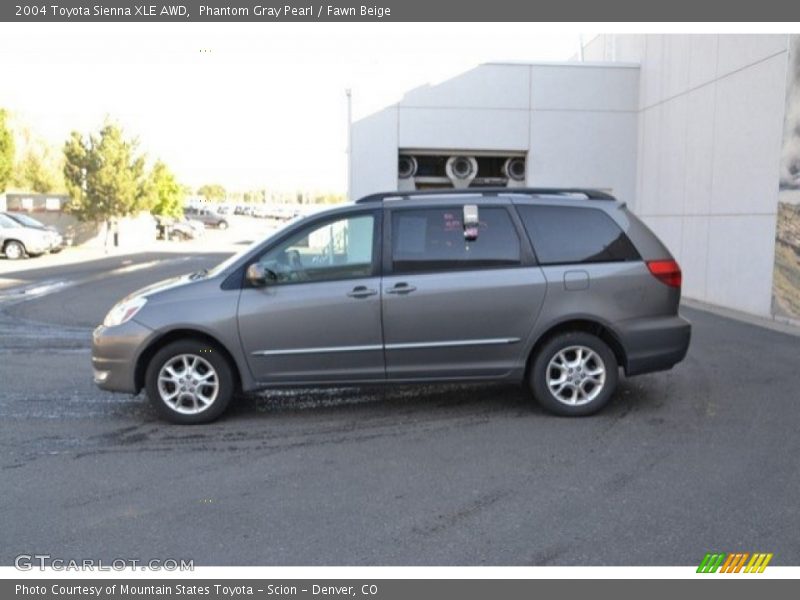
<point>687,129</point>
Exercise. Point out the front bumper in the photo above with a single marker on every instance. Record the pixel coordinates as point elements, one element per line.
<point>115,351</point>
<point>57,244</point>
<point>654,344</point>
<point>37,248</point>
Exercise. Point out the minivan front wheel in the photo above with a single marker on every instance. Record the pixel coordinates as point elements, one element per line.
<point>574,374</point>
<point>189,381</point>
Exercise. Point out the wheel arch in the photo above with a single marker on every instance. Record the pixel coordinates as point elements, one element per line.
<point>587,325</point>
<point>144,358</point>
<point>20,242</point>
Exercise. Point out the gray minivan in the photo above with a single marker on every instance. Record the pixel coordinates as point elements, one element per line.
<point>557,288</point>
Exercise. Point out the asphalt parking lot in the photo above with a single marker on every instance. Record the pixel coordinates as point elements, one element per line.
<point>702,458</point>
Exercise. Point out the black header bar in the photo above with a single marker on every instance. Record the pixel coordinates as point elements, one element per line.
<point>398,10</point>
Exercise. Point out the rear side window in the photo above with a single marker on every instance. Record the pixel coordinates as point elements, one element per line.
<point>569,234</point>
<point>433,240</point>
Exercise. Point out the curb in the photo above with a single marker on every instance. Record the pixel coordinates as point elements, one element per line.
<point>774,323</point>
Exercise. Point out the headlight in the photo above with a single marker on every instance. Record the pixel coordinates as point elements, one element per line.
<point>124,311</point>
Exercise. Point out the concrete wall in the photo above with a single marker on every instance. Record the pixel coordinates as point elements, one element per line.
<point>373,159</point>
<point>710,127</point>
<point>691,139</point>
<point>583,127</point>
<point>133,231</point>
<point>576,122</point>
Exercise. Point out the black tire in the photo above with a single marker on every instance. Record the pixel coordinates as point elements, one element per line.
<point>205,352</point>
<point>223,225</point>
<point>541,373</point>
<point>14,250</point>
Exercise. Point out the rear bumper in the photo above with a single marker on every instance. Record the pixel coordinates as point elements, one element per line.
<point>654,344</point>
<point>114,354</point>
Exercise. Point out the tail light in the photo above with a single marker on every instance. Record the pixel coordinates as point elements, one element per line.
<point>666,271</point>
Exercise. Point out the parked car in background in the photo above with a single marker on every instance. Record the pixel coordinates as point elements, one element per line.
<point>18,241</point>
<point>56,239</point>
<point>197,226</point>
<point>209,218</point>
<point>558,289</point>
<point>170,228</point>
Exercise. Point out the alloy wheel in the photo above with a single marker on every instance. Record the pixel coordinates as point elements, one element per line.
<point>188,384</point>
<point>576,375</point>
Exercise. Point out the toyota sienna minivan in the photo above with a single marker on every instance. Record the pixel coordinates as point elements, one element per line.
<point>555,288</point>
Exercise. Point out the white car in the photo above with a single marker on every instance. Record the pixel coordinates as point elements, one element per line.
<point>56,239</point>
<point>18,241</point>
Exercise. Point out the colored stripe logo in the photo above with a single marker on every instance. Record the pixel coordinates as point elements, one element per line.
<point>735,562</point>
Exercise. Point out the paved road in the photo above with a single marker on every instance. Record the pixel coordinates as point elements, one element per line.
<point>705,457</point>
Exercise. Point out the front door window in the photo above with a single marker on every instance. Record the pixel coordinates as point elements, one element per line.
<point>339,249</point>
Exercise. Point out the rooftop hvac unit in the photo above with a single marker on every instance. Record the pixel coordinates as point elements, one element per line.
<point>406,169</point>
<point>514,170</point>
<point>461,170</point>
<point>430,169</point>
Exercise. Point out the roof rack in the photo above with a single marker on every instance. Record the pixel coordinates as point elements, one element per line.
<point>589,194</point>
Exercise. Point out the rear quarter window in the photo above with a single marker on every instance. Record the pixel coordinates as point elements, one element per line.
<point>571,234</point>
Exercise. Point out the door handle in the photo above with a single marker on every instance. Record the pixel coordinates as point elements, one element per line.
<point>401,288</point>
<point>361,291</point>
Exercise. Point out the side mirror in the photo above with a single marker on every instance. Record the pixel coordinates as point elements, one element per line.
<point>259,276</point>
<point>471,222</point>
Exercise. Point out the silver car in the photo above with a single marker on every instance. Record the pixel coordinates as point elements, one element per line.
<point>18,241</point>
<point>552,287</point>
<point>56,239</point>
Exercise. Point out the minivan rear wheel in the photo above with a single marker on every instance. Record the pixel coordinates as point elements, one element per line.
<point>574,374</point>
<point>189,381</point>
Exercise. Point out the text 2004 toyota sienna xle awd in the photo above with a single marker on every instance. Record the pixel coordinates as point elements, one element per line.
<point>556,288</point>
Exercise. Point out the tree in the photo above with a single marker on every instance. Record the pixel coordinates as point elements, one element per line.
<point>6,152</point>
<point>213,192</point>
<point>36,173</point>
<point>329,198</point>
<point>104,175</point>
<point>38,169</point>
<point>255,196</point>
<point>166,192</point>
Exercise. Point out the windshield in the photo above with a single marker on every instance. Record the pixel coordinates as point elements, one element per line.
<point>29,221</point>
<point>8,222</point>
